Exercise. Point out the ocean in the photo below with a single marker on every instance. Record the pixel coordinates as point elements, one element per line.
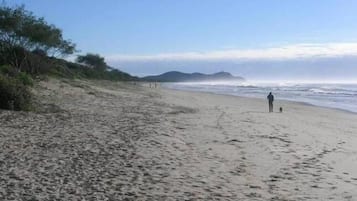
<point>332,95</point>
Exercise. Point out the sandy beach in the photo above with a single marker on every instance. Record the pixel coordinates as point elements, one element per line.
<point>114,141</point>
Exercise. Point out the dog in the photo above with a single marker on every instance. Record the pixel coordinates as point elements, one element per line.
<point>281,109</point>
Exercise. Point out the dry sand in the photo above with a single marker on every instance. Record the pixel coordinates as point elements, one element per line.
<point>107,141</point>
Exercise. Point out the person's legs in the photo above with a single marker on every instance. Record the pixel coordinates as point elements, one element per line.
<point>270,107</point>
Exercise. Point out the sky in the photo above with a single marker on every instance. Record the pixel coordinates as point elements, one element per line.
<point>304,39</point>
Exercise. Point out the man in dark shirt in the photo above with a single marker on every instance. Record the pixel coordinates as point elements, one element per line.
<point>270,99</point>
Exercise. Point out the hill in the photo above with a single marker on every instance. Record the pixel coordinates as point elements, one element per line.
<point>175,76</point>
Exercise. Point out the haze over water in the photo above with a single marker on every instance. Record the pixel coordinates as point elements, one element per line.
<point>333,95</point>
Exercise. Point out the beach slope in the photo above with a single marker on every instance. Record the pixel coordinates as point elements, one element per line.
<point>114,141</point>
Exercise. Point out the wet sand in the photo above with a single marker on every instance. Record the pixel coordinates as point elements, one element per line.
<point>115,141</point>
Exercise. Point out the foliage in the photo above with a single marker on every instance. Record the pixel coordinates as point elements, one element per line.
<point>80,71</point>
<point>93,66</point>
<point>21,32</point>
<point>14,94</point>
<point>94,61</point>
<point>30,47</point>
<point>116,75</point>
<point>29,44</point>
<point>8,70</point>
<point>25,79</point>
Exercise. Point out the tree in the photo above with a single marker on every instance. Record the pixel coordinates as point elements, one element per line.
<point>94,61</point>
<point>21,32</point>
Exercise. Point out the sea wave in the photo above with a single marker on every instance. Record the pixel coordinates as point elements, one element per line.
<point>341,96</point>
<point>332,91</point>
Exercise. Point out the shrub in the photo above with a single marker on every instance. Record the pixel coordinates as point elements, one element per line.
<point>8,70</point>
<point>26,79</point>
<point>14,95</point>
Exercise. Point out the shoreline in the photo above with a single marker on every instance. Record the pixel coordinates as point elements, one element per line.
<point>280,100</point>
<point>101,140</point>
<point>295,155</point>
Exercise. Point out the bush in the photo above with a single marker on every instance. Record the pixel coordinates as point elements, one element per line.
<point>14,95</point>
<point>8,70</point>
<point>25,79</point>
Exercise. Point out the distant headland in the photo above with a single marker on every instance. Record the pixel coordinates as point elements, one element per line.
<point>176,76</point>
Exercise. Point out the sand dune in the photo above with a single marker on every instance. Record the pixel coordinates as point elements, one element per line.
<point>107,141</point>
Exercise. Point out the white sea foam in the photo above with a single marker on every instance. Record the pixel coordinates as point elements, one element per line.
<point>341,96</point>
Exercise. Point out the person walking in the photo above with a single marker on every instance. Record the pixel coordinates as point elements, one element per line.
<point>271,100</point>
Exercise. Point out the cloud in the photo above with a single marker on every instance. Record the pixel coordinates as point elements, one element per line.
<point>296,51</point>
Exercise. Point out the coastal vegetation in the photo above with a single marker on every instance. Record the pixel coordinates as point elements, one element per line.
<point>31,48</point>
